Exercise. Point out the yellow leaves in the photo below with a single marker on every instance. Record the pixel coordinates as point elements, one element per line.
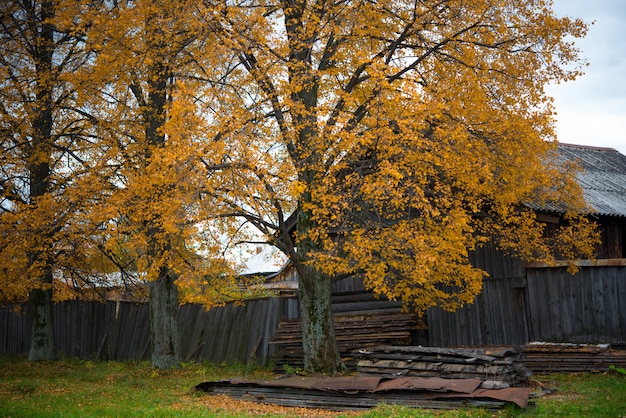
<point>407,135</point>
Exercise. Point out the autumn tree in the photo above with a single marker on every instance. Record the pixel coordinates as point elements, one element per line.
<point>387,139</point>
<point>45,139</point>
<point>150,87</point>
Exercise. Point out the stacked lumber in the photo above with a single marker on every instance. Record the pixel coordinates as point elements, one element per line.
<point>544,358</point>
<point>500,366</point>
<point>353,331</point>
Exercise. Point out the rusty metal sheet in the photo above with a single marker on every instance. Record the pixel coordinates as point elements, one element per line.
<point>349,383</point>
<point>367,391</point>
<point>519,396</point>
<point>436,384</point>
<point>325,383</point>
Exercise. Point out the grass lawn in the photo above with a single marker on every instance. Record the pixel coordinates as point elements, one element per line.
<point>111,389</point>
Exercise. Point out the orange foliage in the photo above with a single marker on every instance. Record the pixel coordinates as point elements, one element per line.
<point>399,136</point>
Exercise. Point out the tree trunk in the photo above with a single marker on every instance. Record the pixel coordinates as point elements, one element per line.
<point>164,321</point>
<point>318,330</point>
<point>42,329</point>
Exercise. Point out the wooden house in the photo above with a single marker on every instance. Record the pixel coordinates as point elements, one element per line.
<point>536,302</point>
<point>526,302</point>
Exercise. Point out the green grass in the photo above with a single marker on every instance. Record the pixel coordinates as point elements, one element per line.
<point>113,389</point>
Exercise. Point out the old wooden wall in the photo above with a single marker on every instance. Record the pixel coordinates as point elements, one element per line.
<point>120,331</point>
<point>587,307</point>
<point>547,304</point>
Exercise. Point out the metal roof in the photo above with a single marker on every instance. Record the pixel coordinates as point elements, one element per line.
<point>603,179</point>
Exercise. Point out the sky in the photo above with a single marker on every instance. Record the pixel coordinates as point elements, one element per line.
<point>592,109</point>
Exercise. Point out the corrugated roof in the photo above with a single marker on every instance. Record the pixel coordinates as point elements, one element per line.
<point>603,178</point>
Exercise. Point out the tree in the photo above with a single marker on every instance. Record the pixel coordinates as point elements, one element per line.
<point>394,137</point>
<point>43,141</point>
<point>147,82</point>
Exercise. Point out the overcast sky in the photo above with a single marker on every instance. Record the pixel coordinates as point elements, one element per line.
<point>592,109</point>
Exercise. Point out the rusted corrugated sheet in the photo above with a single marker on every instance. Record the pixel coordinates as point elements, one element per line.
<point>359,392</point>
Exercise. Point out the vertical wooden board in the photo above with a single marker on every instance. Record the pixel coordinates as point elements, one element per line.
<point>496,318</point>
<point>186,321</point>
<point>538,302</point>
<point>270,351</point>
<point>583,298</point>
<point>209,334</point>
<point>568,284</point>
<point>195,332</point>
<point>621,280</point>
<point>217,343</point>
<point>611,309</point>
<point>548,298</point>
<point>213,336</point>
<point>587,292</point>
<point>255,317</point>
<point>134,322</point>
<point>102,324</point>
<point>124,331</point>
<point>236,335</point>
<point>620,330</point>
<point>576,287</point>
<point>112,330</point>
<point>491,321</point>
<point>268,326</point>
<point>87,329</point>
<point>15,330</point>
<point>141,335</point>
<point>191,326</point>
<point>599,290</point>
<point>205,332</point>
<point>4,329</point>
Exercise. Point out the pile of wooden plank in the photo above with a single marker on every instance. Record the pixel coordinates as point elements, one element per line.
<point>542,358</point>
<point>353,331</point>
<point>500,366</point>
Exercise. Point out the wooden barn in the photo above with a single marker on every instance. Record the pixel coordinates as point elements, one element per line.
<point>536,302</point>
<point>520,302</point>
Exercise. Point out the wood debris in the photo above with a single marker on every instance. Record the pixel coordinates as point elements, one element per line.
<point>352,332</point>
<point>543,358</point>
<point>500,367</point>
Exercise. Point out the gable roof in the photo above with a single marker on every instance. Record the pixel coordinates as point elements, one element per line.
<point>603,179</point>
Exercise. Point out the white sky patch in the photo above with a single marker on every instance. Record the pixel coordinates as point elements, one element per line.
<point>592,109</point>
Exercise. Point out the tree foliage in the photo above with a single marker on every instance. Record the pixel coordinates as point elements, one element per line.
<point>398,136</point>
<point>45,143</point>
<point>384,139</point>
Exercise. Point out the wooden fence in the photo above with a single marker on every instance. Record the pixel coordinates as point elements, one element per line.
<point>546,304</point>
<point>536,304</point>
<point>121,331</point>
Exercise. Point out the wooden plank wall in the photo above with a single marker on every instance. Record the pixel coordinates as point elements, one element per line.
<point>547,305</point>
<point>497,317</point>
<point>230,333</point>
<point>121,331</point>
<point>588,307</point>
<point>498,314</point>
